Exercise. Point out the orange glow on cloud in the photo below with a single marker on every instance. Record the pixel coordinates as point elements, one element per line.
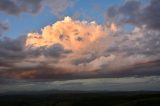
<point>21,74</point>
<point>114,27</point>
<point>70,33</point>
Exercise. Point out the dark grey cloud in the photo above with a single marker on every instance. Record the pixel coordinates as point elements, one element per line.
<point>55,51</point>
<point>16,7</point>
<point>136,13</point>
<point>11,49</point>
<point>15,49</point>
<point>19,62</point>
<point>150,68</point>
<point>8,6</point>
<point>44,72</point>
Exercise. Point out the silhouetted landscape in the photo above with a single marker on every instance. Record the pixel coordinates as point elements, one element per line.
<point>81,98</point>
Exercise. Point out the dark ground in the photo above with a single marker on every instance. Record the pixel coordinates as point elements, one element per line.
<point>81,99</point>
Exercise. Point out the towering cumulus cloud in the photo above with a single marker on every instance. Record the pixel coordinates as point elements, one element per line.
<point>71,34</point>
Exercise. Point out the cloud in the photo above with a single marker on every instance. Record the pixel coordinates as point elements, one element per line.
<point>141,43</point>
<point>136,13</point>
<point>17,61</point>
<point>70,33</point>
<point>98,84</point>
<point>59,6</point>
<point>56,50</point>
<point>3,27</point>
<point>11,48</point>
<point>71,49</point>
<point>16,7</point>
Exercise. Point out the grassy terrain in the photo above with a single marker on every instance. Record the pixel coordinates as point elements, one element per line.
<point>82,99</point>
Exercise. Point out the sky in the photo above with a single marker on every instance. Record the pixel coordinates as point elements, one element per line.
<point>110,45</point>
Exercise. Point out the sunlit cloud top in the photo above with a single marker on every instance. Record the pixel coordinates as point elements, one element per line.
<point>69,33</point>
